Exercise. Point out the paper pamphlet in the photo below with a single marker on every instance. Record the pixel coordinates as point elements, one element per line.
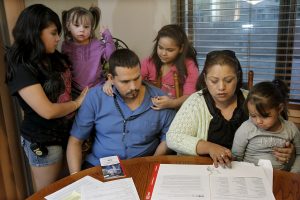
<point>191,182</point>
<point>111,167</point>
<point>88,188</point>
<point>73,191</point>
<point>121,189</point>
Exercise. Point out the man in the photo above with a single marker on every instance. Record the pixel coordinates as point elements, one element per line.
<point>125,124</point>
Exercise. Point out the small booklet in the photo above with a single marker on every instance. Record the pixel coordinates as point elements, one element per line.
<point>111,167</point>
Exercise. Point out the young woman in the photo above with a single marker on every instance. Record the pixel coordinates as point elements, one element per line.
<point>208,119</point>
<point>267,127</point>
<point>40,78</point>
<point>84,50</point>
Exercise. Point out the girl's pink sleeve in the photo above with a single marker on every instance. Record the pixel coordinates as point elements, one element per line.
<point>189,86</point>
<point>148,70</point>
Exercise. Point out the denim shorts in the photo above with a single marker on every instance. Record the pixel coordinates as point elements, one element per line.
<point>55,154</point>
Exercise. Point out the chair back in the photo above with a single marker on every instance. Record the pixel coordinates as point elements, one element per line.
<point>250,79</point>
<point>178,88</point>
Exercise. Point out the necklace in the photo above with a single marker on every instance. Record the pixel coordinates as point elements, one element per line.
<point>125,120</point>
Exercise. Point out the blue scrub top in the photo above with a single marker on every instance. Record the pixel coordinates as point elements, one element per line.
<point>143,133</point>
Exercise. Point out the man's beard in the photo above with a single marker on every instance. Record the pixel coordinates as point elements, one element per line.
<point>132,94</point>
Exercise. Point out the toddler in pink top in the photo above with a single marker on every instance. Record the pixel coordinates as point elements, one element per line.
<point>83,49</point>
<point>172,53</point>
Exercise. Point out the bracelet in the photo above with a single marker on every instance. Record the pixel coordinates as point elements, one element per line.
<point>73,173</point>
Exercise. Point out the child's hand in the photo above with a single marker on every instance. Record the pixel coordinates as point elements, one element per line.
<point>102,29</point>
<point>107,88</point>
<point>161,102</point>
<point>81,97</point>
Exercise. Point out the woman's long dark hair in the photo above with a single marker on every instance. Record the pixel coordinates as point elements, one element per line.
<point>28,49</point>
<point>176,33</point>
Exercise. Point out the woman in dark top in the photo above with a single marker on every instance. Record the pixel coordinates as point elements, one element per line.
<point>207,121</point>
<point>39,76</point>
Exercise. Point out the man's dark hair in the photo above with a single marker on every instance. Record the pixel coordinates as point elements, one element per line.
<point>122,58</point>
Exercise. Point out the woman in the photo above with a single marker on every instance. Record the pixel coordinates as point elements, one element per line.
<point>39,76</point>
<point>207,121</point>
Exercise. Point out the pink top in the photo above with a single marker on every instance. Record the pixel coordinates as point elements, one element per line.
<point>148,71</point>
<point>86,60</point>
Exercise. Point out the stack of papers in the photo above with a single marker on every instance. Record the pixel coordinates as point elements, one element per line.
<point>89,188</point>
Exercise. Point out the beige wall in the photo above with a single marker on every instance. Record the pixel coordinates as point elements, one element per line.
<point>136,22</point>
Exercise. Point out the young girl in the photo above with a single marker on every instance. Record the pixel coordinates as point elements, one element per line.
<point>172,53</point>
<point>84,50</point>
<point>40,78</point>
<point>267,127</point>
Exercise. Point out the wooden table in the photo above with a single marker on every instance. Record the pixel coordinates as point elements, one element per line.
<point>286,185</point>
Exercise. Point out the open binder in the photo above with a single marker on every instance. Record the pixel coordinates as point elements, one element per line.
<point>243,181</point>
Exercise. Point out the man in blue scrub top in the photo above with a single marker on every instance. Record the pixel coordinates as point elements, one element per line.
<point>124,124</point>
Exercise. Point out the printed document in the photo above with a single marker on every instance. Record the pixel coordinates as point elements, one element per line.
<point>121,189</point>
<point>243,181</point>
<point>73,191</point>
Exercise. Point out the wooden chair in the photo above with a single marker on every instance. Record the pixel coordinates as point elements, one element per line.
<point>294,114</point>
<point>178,88</point>
<point>119,44</point>
<point>250,79</point>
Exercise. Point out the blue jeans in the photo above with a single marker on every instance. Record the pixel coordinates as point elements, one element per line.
<point>55,154</point>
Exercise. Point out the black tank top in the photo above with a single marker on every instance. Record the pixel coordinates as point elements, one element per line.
<point>221,131</point>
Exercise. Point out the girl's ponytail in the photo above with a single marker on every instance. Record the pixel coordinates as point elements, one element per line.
<point>284,91</point>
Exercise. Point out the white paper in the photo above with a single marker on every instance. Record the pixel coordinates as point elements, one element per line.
<point>73,191</point>
<point>268,169</point>
<point>122,189</point>
<point>193,182</point>
<point>180,182</point>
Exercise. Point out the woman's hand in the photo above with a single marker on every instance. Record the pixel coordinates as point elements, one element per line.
<point>81,97</point>
<point>284,154</point>
<point>107,88</point>
<point>161,102</point>
<point>220,155</point>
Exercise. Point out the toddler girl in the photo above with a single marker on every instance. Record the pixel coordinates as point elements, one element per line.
<point>267,127</point>
<point>84,50</point>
